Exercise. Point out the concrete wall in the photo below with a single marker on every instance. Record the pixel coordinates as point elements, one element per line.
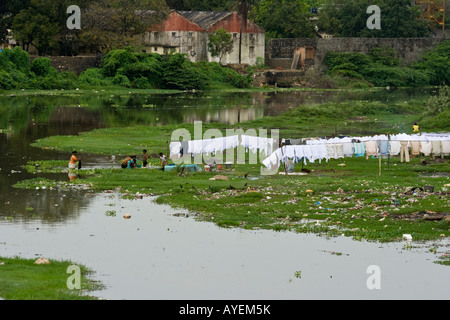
<point>75,64</point>
<point>280,52</point>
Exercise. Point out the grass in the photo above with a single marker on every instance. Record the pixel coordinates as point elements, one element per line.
<point>21,279</point>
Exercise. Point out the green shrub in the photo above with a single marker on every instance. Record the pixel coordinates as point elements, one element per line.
<point>141,83</point>
<point>92,76</point>
<point>179,73</point>
<point>121,80</point>
<point>41,66</point>
<point>6,81</point>
<point>21,60</point>
<point>436,64</point>
<point>116,59</point>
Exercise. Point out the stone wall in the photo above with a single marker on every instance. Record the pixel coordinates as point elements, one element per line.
<point>280,52</point>
<point>76,64</point>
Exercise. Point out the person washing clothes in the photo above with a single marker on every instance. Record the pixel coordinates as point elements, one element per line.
<point>74,160</point>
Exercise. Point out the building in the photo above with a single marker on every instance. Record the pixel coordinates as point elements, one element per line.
<point>188,32</point>
<point>10,43</point>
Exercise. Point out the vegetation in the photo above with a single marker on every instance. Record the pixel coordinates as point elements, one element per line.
<point>380,67</point>
<point>220,43</point>
<point>120,68</point>
<point>21,279</point>
<point>347,18</point>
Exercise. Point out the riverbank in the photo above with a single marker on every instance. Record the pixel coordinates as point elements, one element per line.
<point>27,279</point>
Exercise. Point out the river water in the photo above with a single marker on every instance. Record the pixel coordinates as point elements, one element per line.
<point>164,253</point>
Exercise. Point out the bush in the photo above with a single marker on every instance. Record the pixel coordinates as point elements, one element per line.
<point>6,81</point>
<point>436,64</point>
<point>121,80</point>
<point>92,76</point>
<point>179,73</point>
<point>116,59</point>
<point>150,70</point>
<point>141,83</point>
<point>41,66</point>
<point>439,103</point>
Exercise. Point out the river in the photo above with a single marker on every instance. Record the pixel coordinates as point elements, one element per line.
<point>164,253</point>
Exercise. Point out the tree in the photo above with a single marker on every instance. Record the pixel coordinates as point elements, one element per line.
<point>347,18</point>
<point>113,24</point>
<point>220,43</point>
<point>244,7</point>
<point>284,18</point>
<point>34,29</point>
<point>8,9</point>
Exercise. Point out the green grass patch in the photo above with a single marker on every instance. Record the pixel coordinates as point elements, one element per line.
<point>21,279</point>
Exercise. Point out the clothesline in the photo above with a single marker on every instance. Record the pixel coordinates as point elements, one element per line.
<point>207,146</point>
<point>324,149</point>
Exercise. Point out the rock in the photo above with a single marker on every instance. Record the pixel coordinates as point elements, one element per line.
<point>42,261</point>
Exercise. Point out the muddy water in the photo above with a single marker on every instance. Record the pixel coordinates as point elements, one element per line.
<point>159,253</point>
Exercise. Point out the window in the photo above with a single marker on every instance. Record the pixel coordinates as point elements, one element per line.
<point>156,34</point>
<point>252,36</point>
<point>252,52</point>
<point>234,35</point>
<point>155,49</point>
<point>191,34</point>
<point>174,34</point>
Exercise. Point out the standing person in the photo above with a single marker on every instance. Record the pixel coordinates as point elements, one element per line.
<point>74,160</point>
<point>162,160</point>
<point>415,127</point>
<point>144,158</point>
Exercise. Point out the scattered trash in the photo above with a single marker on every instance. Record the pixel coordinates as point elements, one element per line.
<point>126,216</point>
<point>407,237</point>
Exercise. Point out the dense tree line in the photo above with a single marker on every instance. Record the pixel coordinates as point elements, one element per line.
<point>111,24</point>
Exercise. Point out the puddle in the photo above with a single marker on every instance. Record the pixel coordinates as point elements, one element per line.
<point>164,253</point>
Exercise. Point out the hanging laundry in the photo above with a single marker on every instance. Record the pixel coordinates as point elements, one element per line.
<point>404,151</point>
<point>415,148</point>
<point>384,147</point>
<point>425,148</point>
<point>436,148</point>
<point>348,149</point>
<point>371,148</point>
<point>339,150</point>
<point>359,149</point>
<point>394,148</point>
<point>445,144</point>
<point>175,148</point>
<point>331,151</point>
